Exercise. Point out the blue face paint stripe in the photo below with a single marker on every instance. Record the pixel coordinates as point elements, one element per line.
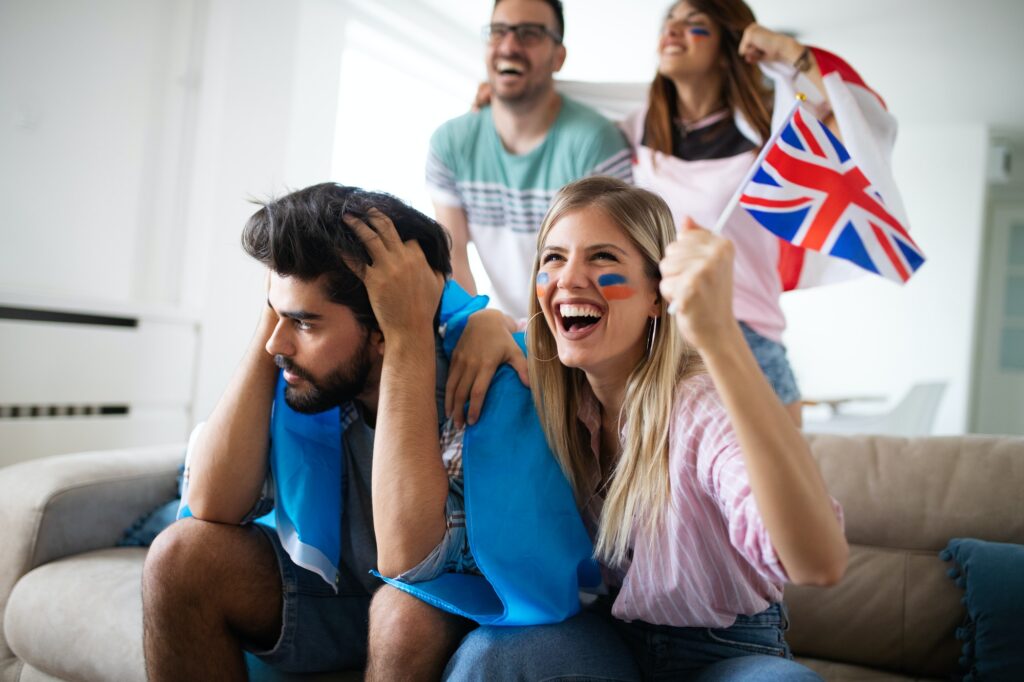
<point>543,278</point>
<point>697,31</point>
<point>610,280</point>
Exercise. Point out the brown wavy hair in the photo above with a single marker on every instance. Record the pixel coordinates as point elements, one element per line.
<point>744,86</point>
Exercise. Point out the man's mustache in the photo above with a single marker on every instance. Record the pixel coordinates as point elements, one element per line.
<point>286,364</point>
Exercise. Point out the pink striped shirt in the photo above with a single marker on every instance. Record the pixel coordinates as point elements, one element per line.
<point>711,558</point>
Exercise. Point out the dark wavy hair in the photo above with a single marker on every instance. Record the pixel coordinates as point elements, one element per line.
<point>302,235</point>
<point>743,84</point>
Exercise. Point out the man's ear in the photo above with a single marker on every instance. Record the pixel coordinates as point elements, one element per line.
<point>560,55</point>
<point>377,341</point>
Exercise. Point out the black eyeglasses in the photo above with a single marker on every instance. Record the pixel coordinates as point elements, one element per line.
<point>527,34</point>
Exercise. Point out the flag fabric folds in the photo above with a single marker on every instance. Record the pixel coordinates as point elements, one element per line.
<point>807,189</point>
<point>868,131</point>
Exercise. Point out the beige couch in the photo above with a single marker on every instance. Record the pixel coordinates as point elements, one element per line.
<point>72,610</point>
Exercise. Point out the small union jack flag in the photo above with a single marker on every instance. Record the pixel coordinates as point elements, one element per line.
<point>806,189</point>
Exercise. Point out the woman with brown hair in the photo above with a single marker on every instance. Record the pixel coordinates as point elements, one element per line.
<point>709,110</point>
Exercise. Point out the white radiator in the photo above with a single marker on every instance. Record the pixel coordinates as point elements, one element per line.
<point>79,377</point>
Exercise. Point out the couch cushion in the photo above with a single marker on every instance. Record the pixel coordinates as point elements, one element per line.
<point>81,617</point>
<point>30,674</point>
<point>894,610</point>
<point>918,493</point>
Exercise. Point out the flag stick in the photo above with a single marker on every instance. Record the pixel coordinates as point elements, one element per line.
<point>731,206</point>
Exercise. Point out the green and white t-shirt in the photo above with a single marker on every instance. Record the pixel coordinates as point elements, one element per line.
<point>505,196</point>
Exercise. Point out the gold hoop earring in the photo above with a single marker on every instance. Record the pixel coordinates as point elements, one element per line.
<point>528,323</point>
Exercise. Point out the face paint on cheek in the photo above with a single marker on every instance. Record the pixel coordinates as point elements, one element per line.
<point>698,32</point>
<point>615,287</point>
<point>542,284</point>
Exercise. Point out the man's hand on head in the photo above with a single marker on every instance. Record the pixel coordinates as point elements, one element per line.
<point>403,289</point>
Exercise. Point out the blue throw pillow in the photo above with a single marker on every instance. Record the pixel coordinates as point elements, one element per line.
<point>146,528</point>
<point>992,575</point>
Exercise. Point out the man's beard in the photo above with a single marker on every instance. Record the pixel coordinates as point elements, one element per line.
<point>524,98</point>
<point>342,385</point>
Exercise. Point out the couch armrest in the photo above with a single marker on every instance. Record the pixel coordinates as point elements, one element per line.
<point>59,506</point>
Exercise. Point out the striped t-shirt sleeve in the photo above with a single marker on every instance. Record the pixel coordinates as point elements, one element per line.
<point>612,155</point>
<point>439,174</point>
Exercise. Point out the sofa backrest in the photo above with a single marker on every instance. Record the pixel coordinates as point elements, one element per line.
<point>903,500</point>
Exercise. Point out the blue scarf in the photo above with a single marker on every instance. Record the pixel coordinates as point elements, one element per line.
<point>521,518</point>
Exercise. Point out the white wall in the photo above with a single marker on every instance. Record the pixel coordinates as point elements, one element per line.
<point>91,95</point>
<point>266,124</point>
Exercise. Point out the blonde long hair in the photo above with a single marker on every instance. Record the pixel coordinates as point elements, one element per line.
<point>638,489</point>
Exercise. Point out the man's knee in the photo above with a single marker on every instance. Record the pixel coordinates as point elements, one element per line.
<point>174,556</point>
<point>190,555</point>
<point>399,621</point>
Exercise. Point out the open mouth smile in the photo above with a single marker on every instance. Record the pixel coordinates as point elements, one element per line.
<point>506,67</point>
<point>578,320</point>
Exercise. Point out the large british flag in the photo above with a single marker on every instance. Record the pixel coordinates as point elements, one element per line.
<point>806,189</point>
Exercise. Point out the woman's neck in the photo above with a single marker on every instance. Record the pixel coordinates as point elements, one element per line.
<point>699,97</point>
<point>609,388</point>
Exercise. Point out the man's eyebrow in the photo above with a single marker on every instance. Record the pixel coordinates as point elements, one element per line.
<point>301,315</point>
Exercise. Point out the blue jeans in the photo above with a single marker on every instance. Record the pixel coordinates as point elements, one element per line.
<point>771,356</point>
<point>595,646</point>
<point>753,649</point>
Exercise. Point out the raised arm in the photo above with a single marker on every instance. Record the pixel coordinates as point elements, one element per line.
<point>409,483</point>
<point>228,462</point>
<point>788,487</point>
<point>762,44</point>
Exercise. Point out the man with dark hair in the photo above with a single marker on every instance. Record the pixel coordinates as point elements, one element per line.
<point>492,173</point>
<point>217,584</point>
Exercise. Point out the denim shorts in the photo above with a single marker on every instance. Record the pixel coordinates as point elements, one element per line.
<point>771,356</point>
<point>320,630</point>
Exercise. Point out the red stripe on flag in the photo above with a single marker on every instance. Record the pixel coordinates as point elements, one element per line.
<point>889,251</point>
<point>840,189</point>
<point>798,119</point>
<point>791,264</point>
<point>830,63</point>
<point>773,203</point>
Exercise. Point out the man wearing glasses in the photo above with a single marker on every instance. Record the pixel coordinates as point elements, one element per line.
<point>492,173</point>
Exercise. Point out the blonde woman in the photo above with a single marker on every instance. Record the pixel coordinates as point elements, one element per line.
<point>701,494</point>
